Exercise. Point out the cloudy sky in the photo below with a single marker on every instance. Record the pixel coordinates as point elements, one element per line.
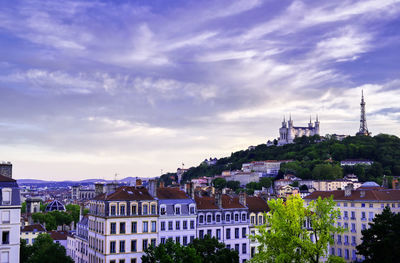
<point>93,88</point>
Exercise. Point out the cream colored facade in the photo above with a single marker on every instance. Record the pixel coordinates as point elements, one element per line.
<point>256,219</point>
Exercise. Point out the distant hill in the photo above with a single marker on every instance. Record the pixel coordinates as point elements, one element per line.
<point>86,181</point>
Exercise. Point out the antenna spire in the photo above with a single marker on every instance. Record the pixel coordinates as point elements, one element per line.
<point>363,120</point>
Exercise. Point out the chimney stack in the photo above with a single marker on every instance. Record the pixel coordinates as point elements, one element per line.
<point>80,211</point>
<point>242,198</point>
<point>218,199</point>
<point>138,182</point>
<point>162,184</point>
<point>99,188</point>
<point>362,193</point>
<point>153,187</point>
<point>347,190</point>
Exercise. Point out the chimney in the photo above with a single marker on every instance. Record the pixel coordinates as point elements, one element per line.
<point>80,211</point>
<point>138,182</point>
<point>242,198</point>
<point>162,184</point>
<point>153,187</point>
<point>362,193</point>
<point>99,188</point>
<point>218,199</point>
<point>347,189</point>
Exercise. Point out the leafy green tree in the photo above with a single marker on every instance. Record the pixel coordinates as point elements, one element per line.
<point>380,242</point>
<point>23,207</point>
<point>25,251</point>
<point>219,183</point>
<point>212,251</point>
<point>171,252</point>
<point>234,185</point>
<point>327,171</point>
<point>284,238</point>
<point>265,182</point>
<point>44,250</point>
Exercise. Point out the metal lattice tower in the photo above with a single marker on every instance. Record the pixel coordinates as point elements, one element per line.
<point>363,121</point>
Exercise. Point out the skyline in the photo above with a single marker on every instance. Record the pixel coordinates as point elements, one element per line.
<point>94,88</point>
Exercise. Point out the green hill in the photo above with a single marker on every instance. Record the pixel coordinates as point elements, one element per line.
<point>316,159</point>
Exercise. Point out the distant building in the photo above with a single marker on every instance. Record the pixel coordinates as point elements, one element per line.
<point>10,216</point>
<point>352,162</point>
<point>59,237</point>
<point>244,177</point>
<point>268,167</point>
<point>211,161</point>
<point>81,193</point>
<point>55,205</point>
<point>77,244</point>
<point>31,232</point>
<point>288,132</point>
<point>179,173</point>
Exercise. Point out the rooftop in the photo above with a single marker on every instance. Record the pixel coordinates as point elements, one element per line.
<point>33,228</point>
<point>171,193</point>
<point>257,204</point>
<point>358,195</point>
<point>126,193</point>
<point>207,202</point>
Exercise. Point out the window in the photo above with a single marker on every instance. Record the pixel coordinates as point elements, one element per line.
<point>332,251</point>
<point>353,215</point>
<point>352,205</point>
<point>153,242</point>
<point>362,204</point>
<point>219,234</point>
<point>153,226</point>
<point>244,248</point>
<point>177,240</point>
<point>191,210</point>
<point>113,209</point>
<point>260,220</point>
<point>353,240</point>
<point>5,256</point>
<point>113,228</point>
<point>218,218</point>
<point>346,240</point>
<point>184,224</point>
<point>133,245</point>
<point>228,233</point>
<point>346,215</point>
<point>163,240</point>
<point>122,228</point>
<point>112,247</point>
<point>237,247</point>
<point>346,226</point>
<point>185,240</point>
<point>201,234</point>
<point>243,217</point>
<point>345,204</point>
<point>145,227</point>
<point>122,210</point>
<point>338,204</point>
<point>163,210</point>
<point>339,239</point>
<point>209,232</point>
<point>370,216</point>
<point>162,226</point>
<point>153,209</point>
<point>145,244</point>
<point>134,209</point>
<point>236,232</point>
<point>243,232</point>
<point>363,226</point>
<point>346,253</point>
<point>353,227</point>
<point>122,246</point>
<point>133,260</point>
<point>177,210</point>
<point>228,217</point>
<point>339,252</point>
<point>6,197</point>
<point>353,255</point>
<point>208,218</point>
<point>228,246</point>
<point>5,216</point>
<point>134,227</point>
<point>177,225</point>
<point>192,224</point>
<point>252,219</point>
<point>145,209</point>
<point>201,219</point>
<point>191,239</point>
<point>363,216</point>
<point>236,217</point>
<point>121,261</point>
<point>170,226</point>
<point>371,205</point>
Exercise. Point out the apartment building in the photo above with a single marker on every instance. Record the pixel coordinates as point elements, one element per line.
<point>177,216</point>
<point>10,209</point>
<point>226,218</point>
<point>122,224</point>
<point>30,232</point>
<point>77,244</point>
<point>257,208</point>
<point>357,209</point>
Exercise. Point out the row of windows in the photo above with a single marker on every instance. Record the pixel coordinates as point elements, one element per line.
<point>185,239</point>
<point>134,227</point>
<point>346,240</point>
<point>177,209</point>
<point>133,260</point>
<point>370,205</point>
<point>122,248</point>
<point>353,215</point>
<point>237,246</point>
<point>218,218</point>
<point>228,234</point>
<point>177,225</point>
<point>346,254</point>
<point>134,210</point>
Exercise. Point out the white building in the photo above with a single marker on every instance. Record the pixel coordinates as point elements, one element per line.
<point>10,209</point>
<point>177,217</point>
<point>288,132</point>
<point>244,177</point>
<point>30,232</point>
<point>352,162</point>
<point>268,167</point>
<point>226,218</point>
<point>77,244</point>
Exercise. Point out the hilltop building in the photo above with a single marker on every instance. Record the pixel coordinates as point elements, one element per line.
<point>288,132</point>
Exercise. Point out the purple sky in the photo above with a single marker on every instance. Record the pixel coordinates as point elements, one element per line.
<point>93,88</point>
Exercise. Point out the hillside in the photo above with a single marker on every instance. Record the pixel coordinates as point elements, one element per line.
<point>315,159</point>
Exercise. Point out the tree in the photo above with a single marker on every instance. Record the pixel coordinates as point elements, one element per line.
<point>219,183</point>
<point>44,250</point>
<point>171,252</point>
<point>212,251</point>
<point>206,250</point>
<point>381,238</point>
<point>327,171</point>
<point>23,207</point>
<point>284,238</point>
<point>234,185</point>
<point>265,182</point>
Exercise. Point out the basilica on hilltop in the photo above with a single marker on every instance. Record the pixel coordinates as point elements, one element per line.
<point>288,132</point>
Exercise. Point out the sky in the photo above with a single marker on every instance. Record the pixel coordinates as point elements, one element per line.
<point>90,89</point>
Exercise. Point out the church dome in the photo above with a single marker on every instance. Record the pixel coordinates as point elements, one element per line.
<point>370,184</point>
<point>55,206</point>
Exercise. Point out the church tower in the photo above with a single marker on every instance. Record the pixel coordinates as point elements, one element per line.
<point>363,120</point>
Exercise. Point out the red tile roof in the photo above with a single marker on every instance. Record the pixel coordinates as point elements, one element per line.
<point>228,202</point>
<point>33,228</point>
<point>171,193</point>
<point>58,235</point>
<point>257,204</point>
<point>126,193</point>
<point>370,195</point>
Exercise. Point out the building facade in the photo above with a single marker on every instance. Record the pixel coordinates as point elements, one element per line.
<point>122,224</point>
<point>357,209</point>
<point>288,132</point>
<point>31,232</point>
<point>10,212</point>
<point>226,218</point>
<point>177,216</point>
<point>257,208</point>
